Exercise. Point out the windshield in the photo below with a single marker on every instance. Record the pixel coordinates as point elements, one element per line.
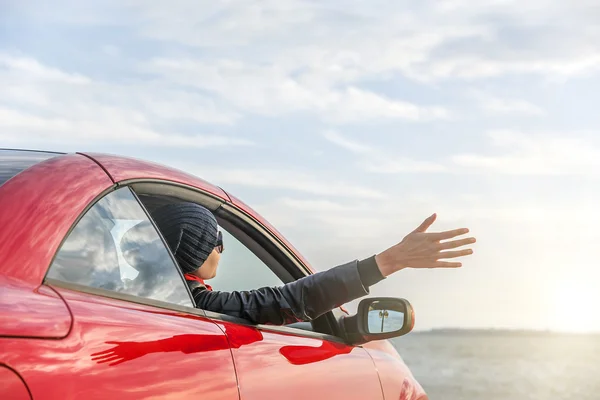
<point>14,161</point>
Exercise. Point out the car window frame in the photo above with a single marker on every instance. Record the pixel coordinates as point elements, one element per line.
<point>329,322</point>
<point>110,293</point>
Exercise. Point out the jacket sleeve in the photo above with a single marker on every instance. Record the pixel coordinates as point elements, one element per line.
<point>301,300</point>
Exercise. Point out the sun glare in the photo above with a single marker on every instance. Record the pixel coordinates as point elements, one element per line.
<point>575,309</point>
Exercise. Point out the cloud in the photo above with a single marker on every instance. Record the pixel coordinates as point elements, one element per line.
<point>473,67</point>
<point>350,145</point>
<point>431,41</point>
<point>273,90</point>
<point>506,106</point>
<point>428,41</point>
<point>355,105</point>
<point>293,180</point>
<point>403,165</point>
<point>28,82</point>
<point>21,128</point>
<point>511,106</point>
<point>224,23</point>
<point>378,160</point>
<point>42,104</point>
<point>237,58</point>
<point>515,153</point>
<point>33,70</point>
<point>535,154</point>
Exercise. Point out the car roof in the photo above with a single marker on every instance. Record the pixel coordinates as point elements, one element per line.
<point>123,169</point>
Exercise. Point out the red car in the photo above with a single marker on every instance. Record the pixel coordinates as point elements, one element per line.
<point>79,321</point>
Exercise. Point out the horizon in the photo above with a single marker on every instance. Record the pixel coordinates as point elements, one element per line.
<point>345,125</point>
<point>486,329</point>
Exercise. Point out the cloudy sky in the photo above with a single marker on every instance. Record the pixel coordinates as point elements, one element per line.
<point>345,123</point>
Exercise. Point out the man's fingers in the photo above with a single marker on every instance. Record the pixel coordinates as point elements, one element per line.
<point>448,234</point>
<point>101,353</point>
<point>426,224</point>
<point>97,357</point>
<point>105,357</point>
<point>454,254</point>
<point>452,244</point>
<point>446,264</point>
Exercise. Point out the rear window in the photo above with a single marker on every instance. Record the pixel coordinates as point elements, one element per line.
<point>14,161</point>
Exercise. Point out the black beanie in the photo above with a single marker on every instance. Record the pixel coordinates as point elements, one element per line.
<point>190,231</point>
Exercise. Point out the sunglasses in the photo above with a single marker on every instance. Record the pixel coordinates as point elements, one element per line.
<point>219,246</point>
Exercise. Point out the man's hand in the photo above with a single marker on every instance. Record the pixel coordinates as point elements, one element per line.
<point>420,249</point>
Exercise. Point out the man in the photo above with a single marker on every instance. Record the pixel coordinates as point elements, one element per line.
<point>191,232</point>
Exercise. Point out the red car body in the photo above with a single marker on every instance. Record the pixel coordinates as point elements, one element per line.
<point>59,342</point>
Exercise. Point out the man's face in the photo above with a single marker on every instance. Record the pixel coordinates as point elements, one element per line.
<point>208,270</point>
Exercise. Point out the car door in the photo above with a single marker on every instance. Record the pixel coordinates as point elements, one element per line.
<point>292,362</point>
<point>135,333</point>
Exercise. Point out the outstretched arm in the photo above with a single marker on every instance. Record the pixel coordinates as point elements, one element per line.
<point>314,295</point>
<point>301,300</point>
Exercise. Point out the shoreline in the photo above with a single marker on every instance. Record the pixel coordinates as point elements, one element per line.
<point>501,331</point>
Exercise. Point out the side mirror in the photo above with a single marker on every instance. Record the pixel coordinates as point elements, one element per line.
<point>379,318</point>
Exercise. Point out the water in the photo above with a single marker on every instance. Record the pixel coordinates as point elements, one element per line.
<point>495,366</point>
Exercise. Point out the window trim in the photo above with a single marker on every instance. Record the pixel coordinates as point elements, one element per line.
<point>284,329</point>
<point>129,298</point>
<point>158,187</point>
<point>106,292</point>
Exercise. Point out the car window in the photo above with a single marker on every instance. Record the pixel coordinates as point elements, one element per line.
<point>115,247</point>
<point>240,269</point>
<point>14,161</point>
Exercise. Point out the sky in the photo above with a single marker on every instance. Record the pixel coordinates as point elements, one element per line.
<point>345,124</point>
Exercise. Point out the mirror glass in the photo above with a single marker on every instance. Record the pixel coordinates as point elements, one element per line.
<point>385,317</point>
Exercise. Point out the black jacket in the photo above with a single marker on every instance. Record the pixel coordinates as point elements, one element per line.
<point>301,300</point>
